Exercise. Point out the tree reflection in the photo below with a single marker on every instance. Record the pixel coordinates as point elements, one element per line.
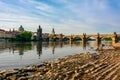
<point>22,47</point>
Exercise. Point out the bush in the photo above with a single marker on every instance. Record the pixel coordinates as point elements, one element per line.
<point>24,36</point>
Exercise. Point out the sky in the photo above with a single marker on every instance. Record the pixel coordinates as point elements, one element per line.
<point>65,16</point>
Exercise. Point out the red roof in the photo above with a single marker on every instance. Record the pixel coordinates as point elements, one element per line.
<point>2,30</point>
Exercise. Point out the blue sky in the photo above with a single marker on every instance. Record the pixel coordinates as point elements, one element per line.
<point>65,16</point>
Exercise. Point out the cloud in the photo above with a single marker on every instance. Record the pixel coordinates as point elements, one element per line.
<point>66,16</point>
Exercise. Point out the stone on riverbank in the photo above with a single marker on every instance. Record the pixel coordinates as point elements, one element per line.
<point>85,66</point>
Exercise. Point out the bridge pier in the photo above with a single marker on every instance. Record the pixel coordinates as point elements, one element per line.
<point>60,37</point>
<point>114,38</point>
<point>84,39</point>
<point>71,38</point>
<point>98,39</point>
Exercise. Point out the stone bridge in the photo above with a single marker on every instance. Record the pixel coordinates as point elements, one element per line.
<point>98,37</point>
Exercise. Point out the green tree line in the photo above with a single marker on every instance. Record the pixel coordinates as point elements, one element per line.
<point>24,36</point>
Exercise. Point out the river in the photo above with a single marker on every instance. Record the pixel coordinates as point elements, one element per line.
<point>20,54</point>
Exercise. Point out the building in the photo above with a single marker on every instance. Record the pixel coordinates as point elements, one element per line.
<point>2,33</point>
<point>11,34</point>
<point>8,34</point>
<point>34,34</point>
<point>55,37</point>
<point>21,28</point>
<point>45,36</point>
<point>53,32</point>
<point>39,36</point>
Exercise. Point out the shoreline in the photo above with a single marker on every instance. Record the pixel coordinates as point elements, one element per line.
<point>101,65</point>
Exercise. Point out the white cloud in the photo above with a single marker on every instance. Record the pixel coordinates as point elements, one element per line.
<point>72,17</point>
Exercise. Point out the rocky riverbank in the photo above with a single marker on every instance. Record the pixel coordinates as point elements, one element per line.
<point>104,65</point>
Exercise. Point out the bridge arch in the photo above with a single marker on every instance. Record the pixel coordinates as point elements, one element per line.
<point>66,38</point>
<point>76,38</point>
<point>91,38</point>
<point>106,38</point>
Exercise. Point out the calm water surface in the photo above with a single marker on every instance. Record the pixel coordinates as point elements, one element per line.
<point>19,55</point>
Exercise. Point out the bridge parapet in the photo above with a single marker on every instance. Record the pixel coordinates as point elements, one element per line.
<point>98,36</point>
<point>107,35</point>
<point>118,35</point>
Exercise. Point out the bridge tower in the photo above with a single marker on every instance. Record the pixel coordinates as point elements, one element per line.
<point>39,34</point>
<point>52,35</point>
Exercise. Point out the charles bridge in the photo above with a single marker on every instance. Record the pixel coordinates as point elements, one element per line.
<point>98,37</point>
<point>53,37</point>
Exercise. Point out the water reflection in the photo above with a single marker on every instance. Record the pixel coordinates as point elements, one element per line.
<point>24,47</point>
<point>21,47</point>
<point>22,54</point>
<point>39,49</point>
<point>53,47</point>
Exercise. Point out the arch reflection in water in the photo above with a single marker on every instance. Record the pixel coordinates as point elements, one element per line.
<point>23,47</point>
<point>26,46</point>
<point>19,54</point>
<point>54,45</point>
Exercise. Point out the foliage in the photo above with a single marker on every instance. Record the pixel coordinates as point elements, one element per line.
<point>24,36</point>
<point>107,39</point>
<point>34,38</point>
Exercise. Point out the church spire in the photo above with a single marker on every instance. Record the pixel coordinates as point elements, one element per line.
<point>53,31</point>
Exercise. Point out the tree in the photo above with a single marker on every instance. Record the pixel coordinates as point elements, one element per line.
<point>24,36</point>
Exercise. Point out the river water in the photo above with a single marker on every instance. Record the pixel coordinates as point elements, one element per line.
<point>21,54</point>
